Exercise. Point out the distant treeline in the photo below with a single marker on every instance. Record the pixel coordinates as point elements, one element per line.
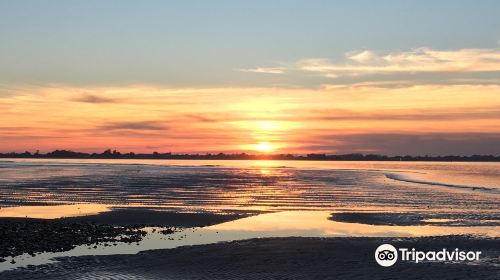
<point>109,154</point>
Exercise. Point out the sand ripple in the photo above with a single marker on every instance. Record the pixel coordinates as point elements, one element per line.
<point>225,189</point>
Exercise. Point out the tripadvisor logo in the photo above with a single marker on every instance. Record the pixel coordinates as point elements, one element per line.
<point>387,255</point>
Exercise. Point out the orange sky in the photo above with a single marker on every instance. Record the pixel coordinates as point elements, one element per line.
<point>332,119</point>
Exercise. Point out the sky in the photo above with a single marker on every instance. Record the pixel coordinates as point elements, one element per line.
<point>282,76</point>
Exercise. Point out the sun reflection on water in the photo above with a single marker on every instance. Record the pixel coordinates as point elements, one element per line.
<point>53,211</point>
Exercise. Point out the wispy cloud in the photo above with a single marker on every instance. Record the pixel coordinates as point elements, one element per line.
<point>128,125</point>
<point>365,56</point>
<point>415,61</point>
<point>435,115</point>
<point>91,98</point>
<point>202,118</point>
<point>265,70</point>
<point>373,65</point>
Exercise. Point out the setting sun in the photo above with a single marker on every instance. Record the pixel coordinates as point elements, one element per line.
<point>264,147</point>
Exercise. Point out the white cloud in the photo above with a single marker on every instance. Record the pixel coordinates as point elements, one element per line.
<point>265,70</point>
<point>415,61</point>
<point>362,57</point>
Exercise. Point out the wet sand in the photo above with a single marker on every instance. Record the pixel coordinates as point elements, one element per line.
<point>276,258</point>
<point>259,186</point>
<point>331,246</point>
<point>32,236</point>
<point>152,217</point>
<point>412,219</point>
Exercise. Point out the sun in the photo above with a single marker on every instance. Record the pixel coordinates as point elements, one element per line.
<point>264,147</point>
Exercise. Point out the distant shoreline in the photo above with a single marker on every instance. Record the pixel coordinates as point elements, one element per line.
<point>108,154</point>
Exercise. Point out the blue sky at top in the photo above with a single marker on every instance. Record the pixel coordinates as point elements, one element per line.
<point>205,43</point>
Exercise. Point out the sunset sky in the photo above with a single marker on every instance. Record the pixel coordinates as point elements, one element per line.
<point>261,76</point>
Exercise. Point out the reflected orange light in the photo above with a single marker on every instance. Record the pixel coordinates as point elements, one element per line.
<point>265,171</point>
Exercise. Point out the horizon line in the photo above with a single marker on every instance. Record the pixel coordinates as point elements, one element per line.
<point>114,154</point>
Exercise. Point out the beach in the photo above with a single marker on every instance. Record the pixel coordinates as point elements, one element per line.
<point>233,220</point>
<point>274,258</point>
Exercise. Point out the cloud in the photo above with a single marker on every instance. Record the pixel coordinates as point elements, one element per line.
<point>202,118</point>
<point>91,98</point>
<point>362,57</point>
<point>142,125</point>
<point>411,144</point>
<point>419,66</point>
<point>421,60</point>
<point>450,114</point>
<point>265,70</point>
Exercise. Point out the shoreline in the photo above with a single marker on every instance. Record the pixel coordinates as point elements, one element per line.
<point>251,257</point>
<point>33,236</point>
<point>264,158</point>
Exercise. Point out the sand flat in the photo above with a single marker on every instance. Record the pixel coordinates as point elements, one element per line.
<point>274,258</point>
